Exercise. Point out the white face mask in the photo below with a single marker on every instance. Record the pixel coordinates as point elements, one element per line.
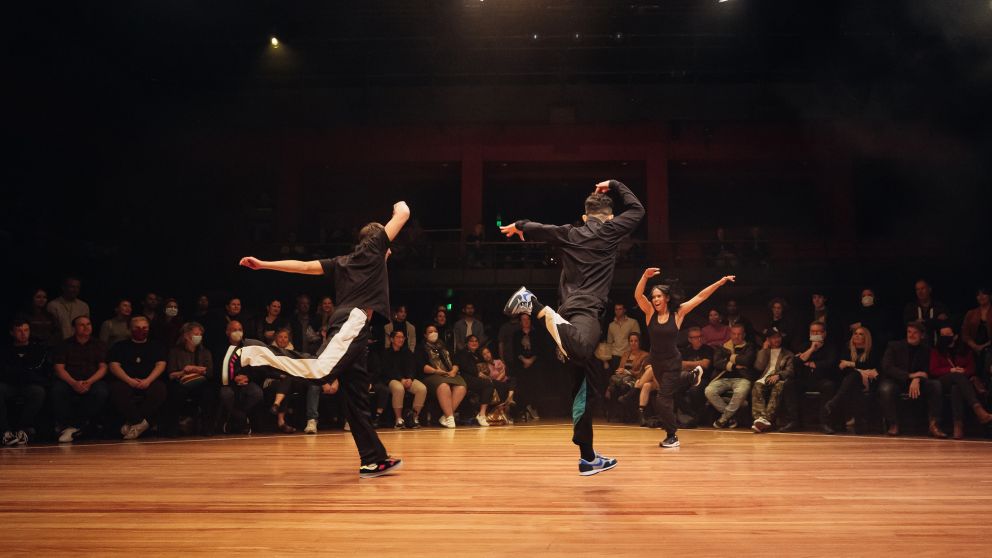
<point>196,339</point>
<point>236,336</point>
<point>816,338</point>
<point>171,312</point>
<point>432,337</point>
<point>867,301</point>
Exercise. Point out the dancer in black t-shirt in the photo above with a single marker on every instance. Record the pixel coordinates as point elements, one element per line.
<point>362,287</point>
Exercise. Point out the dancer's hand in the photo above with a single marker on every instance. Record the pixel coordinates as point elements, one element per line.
<point>510,230</point>
<point>251,262</point>
<point>603,187</point>
<point>731,278</point>
<point>651,272</point>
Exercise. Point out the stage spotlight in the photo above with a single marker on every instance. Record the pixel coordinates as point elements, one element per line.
<point>534,37</point>
<point>274,42</point>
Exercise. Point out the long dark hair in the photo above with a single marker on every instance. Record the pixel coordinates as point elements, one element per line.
<point>673,291</point>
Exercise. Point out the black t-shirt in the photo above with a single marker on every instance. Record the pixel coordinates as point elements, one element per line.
<point>704,352</point>
<point>397,365</point>
<point>360,278</point>
<point>137,359</point>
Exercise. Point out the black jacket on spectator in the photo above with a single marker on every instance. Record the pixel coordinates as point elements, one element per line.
<point>743,365</point>
<point>398,365</point>
<point>468,363</point>
<point>28,364</point>
<point>902,359</point>
<point>137,359</point>
<point>826,363</point>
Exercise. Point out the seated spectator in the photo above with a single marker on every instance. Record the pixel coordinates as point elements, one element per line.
<point>440,375</point>
<point>630,368</point>
<point>976,332</point>
<point>732,316</point>
<point>314,392</point>
<point>117,328</point>
<point>869,315</point>
<point>189,366</point>
<point>476,374</point>
<point>927,310</point>
<point>283,384</point>
<point>780,321</point>
<point>773,365</point>
<point>399,322</point>
<point>819,312</point>
<point>469,325</point>
<point>715,332</point>
<point>504,385</point>
<point>505,339</point>
<point>44,327</point>
<point>445,331</point>
<point>216,334</point>
<point>26,373</point>
<point>68,307</point>
<point>265,327</point>
<point>905,369</point>
<point>815,370</point>
<point>691,399</point>
<point>171,323</point>
<point>238,390</point>
<point>526,347</point>
<point>137,366</point>
<point>860,372</point>
<point>150,309</point>
<point>304,327</point>
<point>78,392</point>
<point>618,333</point>
<point>324,312</point>
<point>722,252</point>
<point>732,374</point>
<point>756,249</point>
<point>202,313</point>
<point>952,364</point>
<point>399,370</point>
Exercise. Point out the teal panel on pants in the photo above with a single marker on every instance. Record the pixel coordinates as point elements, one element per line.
<point>579,405</point>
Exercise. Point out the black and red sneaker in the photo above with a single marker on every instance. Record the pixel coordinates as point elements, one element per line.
<point>385,467</point>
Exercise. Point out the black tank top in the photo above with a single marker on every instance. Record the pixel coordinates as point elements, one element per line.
<point>665,356</point>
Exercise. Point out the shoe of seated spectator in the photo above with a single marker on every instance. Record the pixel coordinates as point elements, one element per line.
<point>136,430</point>
<point>347,426</point>
<point>68,435</point>
<point>761,425</point>
<point>400,423</point>
<point>448,422</point>
<point>693,377</point>
<point>384,467</point>
<point>789,427</point>
<point>481,419</point>
<point>311,427</point>
<point>732,423</point>
<point>9,438</point>
<point>533,412</point>
<point>670,442</point>
<point>415,421</point>
<point>521,302</point>
<point>21,438</point>
<point>720,423</point>
<point>598,465</point>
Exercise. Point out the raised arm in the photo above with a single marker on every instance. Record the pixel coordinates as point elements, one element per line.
<point>692,303</point>
<point>631,212</point>
<point>642,301</point>
<point>311,267</point>
<point>401,213</point>
<point>536,231</point>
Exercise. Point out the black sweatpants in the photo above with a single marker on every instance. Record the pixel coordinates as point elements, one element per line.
<point>344,356</point>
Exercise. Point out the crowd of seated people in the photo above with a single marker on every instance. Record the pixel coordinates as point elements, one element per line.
<point>153,370</point>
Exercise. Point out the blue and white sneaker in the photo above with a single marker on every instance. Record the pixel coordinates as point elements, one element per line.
<point>521,302</point>
<point>597,465</point>
<point>670,442</point>
<point>693,377</point>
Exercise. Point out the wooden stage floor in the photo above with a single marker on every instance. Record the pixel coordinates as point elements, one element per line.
<point>501,491</point>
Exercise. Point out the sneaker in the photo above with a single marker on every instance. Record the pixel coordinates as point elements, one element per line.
<point>415,422</point>
<point>598,465</point>
<point>670,442</point>
<point>379,469</point>
<point>533,412</point>
<point>521,302</point>
<point>481,419</point>
<point>694,376</point>
<point>732,423</point>
<point>21,438</point>
<point>399,423</point>
<point>347,426</point>
<point>9,439</point>
<point>311,427</point>
<point>137,430</point>
<point>68,435</point>
<point>448,422</point>
<point>720,423</point>
<point>759,426</point>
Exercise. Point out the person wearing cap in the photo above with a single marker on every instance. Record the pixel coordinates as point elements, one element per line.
<point>775,364</point>
<point>906,369</point>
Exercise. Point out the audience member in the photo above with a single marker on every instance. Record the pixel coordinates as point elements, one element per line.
<point>324,312</point>
<point>619,332</point>
<point>265,327</point>
<point>68,307</point>
<point>526,348</point>
<point>732,374</point>
<point>715,332</point>
<point>869,315</point>
<point>399,369</point>
<point>774,367</point>
<point>505,339</point>
<point>239,390</point>
<point>469,325</point>
<point>78,392</point>
<point>905,369</point>
<point>171,324</point>
<point>860,372</point>
<point>117,328</point>
<point>304,326</point>
<point>445,331</point>
<point>201,314</point>
<point>25,374</point>
<point>150,309</point>
<point>733,316</point>
<point>315,391</point>
<point>399,322</point>
<point>440,375</point>
<point>756,249</point>
<point>189,366</point>
<point>976,333</point>
<point>504,385</point>
<point>45,328</point>
<point>819,312</point>
<point>692,399</point>
<point>927,310</point>
<point>952,364</point>
<point>138,392</point>
<point>779,321</point>
<point>283,384</point>
<point>815,371</point>
<point>476,374</point>
<point>629,368</point>
<point>722,252</point>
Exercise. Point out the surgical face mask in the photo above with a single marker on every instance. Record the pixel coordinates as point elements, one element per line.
<point>867,301</point>
<point>432,337</point>
<point>171,312</point>
<point>817,338</point>
<point>196,339</point>
<point>236,336</point>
